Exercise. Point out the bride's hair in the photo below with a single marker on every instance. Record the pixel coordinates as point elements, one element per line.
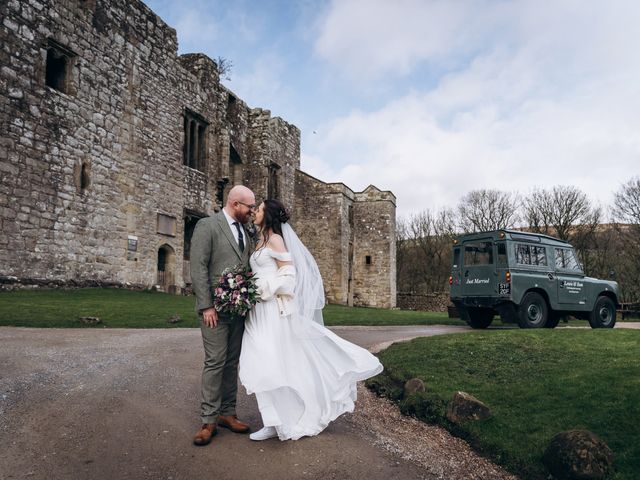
<point>275,214</point>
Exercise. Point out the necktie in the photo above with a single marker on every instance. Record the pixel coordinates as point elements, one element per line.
<point>240,237</point>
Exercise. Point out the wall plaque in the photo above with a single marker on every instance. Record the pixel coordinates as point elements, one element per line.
<point>166,225</point>
<point>132,243</point>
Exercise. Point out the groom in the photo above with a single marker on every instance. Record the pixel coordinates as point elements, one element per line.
<point>220,242</point>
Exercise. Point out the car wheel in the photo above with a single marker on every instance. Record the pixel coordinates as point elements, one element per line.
<point>533,311</point>
<point>553,320</point>
<point>479,317</point>
<point>603,314</point>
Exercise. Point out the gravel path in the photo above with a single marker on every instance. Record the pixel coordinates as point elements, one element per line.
<point>107,404</point>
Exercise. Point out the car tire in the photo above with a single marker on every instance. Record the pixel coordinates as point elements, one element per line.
<point>553,320</point>
<point>479,317</point>
<point>603,314</point>
<point>533,311</point>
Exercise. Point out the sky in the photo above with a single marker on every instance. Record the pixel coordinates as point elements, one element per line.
<point>431,99</point>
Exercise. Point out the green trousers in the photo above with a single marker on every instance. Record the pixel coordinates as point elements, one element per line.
<point>220,372</point>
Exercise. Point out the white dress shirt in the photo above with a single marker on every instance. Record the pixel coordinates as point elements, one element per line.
<point>233,228</point>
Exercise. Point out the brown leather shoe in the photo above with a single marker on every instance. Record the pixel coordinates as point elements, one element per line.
<point>205,434</point>
<point>232,423</point>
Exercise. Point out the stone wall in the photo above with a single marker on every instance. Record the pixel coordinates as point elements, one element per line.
<point>318,218</point>
<point>120,125</point>
<point>114,146</point>
<point>435,302</point>
<point>352,236</point>
<point>56,226</point>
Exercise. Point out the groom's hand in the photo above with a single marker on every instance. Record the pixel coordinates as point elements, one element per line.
<point>210,317</point>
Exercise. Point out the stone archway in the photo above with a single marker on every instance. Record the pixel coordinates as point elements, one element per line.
<point>166,267</point>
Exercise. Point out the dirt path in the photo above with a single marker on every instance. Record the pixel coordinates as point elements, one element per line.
<point>123,404</point>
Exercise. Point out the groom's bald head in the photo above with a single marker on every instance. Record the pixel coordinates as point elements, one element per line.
<point>240,193</point>
<point>240,203</point>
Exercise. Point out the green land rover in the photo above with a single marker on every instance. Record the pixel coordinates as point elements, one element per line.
<point>526,278</point>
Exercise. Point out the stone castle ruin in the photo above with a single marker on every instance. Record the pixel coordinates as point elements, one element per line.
<point>113,146</point>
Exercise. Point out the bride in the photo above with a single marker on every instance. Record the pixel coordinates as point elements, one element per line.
<point>304,376</point>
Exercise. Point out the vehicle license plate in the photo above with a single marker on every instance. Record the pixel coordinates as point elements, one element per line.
<point>504,288</point>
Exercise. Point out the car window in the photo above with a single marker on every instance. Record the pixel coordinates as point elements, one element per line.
<point>478,253</point>
<point>502,253</point>
<point>566,259</point>
<point>531,254</point>
<point>456,257</point>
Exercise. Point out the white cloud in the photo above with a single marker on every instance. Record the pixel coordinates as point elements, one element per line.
<point>315,166</point>
<point>550,99</point>
<point>262,80</point>
<point>507,94</point>
<point>368,38</point>
<point>197,29</point>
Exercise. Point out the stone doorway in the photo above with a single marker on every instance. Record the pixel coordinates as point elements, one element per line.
<point>166,268</point>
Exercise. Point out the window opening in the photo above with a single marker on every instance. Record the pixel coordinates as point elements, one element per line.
<point>531,255</point>
<point>235,166</point>
<point>85,179</point>
<point>478,253</point>
<point>502,253</point>
<point>456,257</point>
<point>566,259</point>
<point>58,66</point>
<point>195,129</point>
<point>272,186</point>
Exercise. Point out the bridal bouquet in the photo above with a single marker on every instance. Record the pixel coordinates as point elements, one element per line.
<point>236,292</point>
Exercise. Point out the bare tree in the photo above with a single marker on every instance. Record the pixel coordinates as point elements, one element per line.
<point>561,212</point>
<point>626,212</point>
<point>224,67</point>
<point>627,202</point>
<point>407,278</point>
<point>424,250</point>
<point>483,210</point>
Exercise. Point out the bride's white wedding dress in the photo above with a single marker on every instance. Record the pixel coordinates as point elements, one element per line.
<point>304,376</point>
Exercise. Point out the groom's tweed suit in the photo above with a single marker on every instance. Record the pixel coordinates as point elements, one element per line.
<point>214,248</point>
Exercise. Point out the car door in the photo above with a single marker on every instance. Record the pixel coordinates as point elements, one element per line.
<point>478,268</point>
<point>570,278</point>
<point>532,269</point>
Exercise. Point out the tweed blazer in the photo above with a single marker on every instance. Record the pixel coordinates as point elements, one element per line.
<point>214,248</point>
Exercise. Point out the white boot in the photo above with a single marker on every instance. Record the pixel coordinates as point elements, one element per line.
<point>264,433</point>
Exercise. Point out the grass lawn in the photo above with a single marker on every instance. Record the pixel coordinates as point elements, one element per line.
<point>146,309</point>
<point>536,382</point>
<point>115,307</point>
<point>119,308</point>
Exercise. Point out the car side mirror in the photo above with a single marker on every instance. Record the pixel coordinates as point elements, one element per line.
<point>612,274</point>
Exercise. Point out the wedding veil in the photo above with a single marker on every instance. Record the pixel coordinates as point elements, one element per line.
<point>309,290</point>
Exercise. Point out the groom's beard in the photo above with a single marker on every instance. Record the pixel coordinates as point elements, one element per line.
<point>244,218</point>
